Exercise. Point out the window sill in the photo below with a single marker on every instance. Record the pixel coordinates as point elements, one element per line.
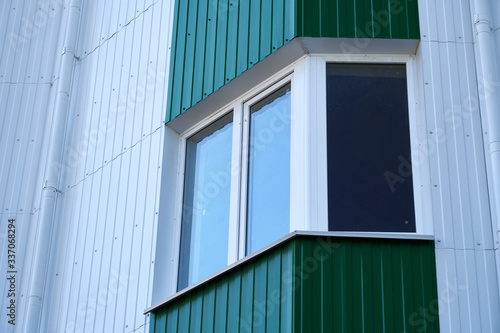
<point>380,235</point>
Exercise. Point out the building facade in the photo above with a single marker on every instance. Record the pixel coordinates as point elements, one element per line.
<point>250,166</point>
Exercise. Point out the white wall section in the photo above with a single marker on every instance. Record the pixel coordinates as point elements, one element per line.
<point>466,270</point>
<point>101,259</point>
<point>29,44</point>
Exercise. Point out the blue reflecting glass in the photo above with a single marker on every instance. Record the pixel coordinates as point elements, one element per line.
<point>205,218</point>
<point>268,206</point>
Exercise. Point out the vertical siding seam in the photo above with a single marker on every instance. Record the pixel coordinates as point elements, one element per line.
<point>215,301</point>
<point>407,20</point>
<point>205,57</point>
<point>216,23</point>
<point>227,305</point>
<point>195,37</point>
<point>173,58</point>
<point>239,303</point>
<point>280,287</point>
<point>390,18</point>
<point>372,13</point>
<point>253,296</point>
<point>266,293</point>
<point>237,39</point>
<point>224,68</point>
<point>355,20</point>
<point>382,288</point>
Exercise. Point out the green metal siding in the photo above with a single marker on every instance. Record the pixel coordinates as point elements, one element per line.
<point>214,41</point>
<point>358,18</point>
<point>316,284</point>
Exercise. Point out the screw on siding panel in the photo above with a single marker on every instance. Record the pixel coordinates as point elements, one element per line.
<point>439,241</point>
<point>478,244</point>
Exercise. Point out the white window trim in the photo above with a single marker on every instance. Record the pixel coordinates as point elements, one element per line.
<point>308,157</point>
<point>177,142</point>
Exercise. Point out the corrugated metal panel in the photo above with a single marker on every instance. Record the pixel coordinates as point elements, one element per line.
<point>316,284</point>
<point>217,40</point>
<point>365,285</point>
<point>361,19</point>
<point>245,300</point>
<point>29,45</point>
<point>102,254</point>
<point>214,41</point>
<point>455,153</point>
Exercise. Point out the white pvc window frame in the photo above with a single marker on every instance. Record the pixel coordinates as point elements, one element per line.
<point>239,169</point>
<point>317,112</point>
<point>308,157</point>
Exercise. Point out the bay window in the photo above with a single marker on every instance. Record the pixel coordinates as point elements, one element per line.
<point>324,144</point>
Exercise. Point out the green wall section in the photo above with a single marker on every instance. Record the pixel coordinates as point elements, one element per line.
<point>214,41</point>
<point>316,284</point>
<point>358,18</point>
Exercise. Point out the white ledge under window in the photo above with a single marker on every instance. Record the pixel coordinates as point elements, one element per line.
<point>282,240</point>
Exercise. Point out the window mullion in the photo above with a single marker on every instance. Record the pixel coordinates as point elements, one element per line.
<point>244,179</point>
<point>236,177</point>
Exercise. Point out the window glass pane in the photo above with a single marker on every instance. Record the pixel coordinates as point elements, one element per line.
<point>205,220</point>
<point>370,185</point>
<point>268,210</point>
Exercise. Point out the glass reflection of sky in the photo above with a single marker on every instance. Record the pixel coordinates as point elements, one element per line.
<point>268,216</point>
<point>206,206</point>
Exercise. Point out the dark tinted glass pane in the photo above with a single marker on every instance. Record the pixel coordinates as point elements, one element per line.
<point>205,218</point>
<point>370,186</point>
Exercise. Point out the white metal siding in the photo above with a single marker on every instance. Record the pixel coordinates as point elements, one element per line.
<point>466,271</point>
<point>102,259</point>
<point>29,44</point>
